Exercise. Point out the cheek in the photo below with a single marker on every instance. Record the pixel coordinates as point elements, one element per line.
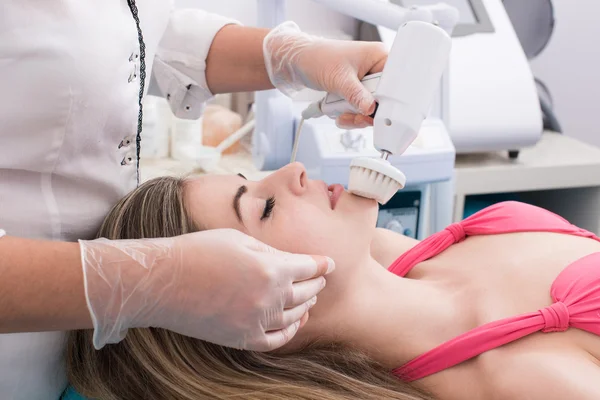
<point>306,230</point>
<point>310,230</point>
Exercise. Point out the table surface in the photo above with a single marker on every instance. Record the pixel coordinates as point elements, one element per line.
<point>555,155</point>
<point>556,161</point>
<point>230,164</point>
<point>553,150</point>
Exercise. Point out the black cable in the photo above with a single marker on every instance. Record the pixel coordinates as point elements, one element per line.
<point>138,137</point>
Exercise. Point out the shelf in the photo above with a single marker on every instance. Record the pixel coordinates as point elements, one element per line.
<point>560,173</point>
<point>556,162</point>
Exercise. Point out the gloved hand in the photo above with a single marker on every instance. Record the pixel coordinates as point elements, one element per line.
<point>221,286</point>
<point>296,60</point>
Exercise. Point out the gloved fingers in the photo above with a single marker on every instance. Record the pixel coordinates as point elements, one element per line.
<point>380,64</point>
<point>357,95</point>
<point>303,320</point>
<point>280,48</point>
<point>303,267</point>
<point>275,339</point>
<point>292,315</point>
<point>255,244</point>
<point>304,291</point>
<point>353,121</point>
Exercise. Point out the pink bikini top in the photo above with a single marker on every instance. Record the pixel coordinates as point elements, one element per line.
<point>575,292</point>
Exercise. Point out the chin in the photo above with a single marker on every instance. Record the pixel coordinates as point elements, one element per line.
<point>366,210</point>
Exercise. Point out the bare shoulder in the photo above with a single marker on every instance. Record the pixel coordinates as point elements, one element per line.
<point>543,372</point>
<point>387,246</point>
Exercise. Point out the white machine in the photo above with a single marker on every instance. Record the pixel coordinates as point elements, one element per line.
<point>487,98</point>
<point>493,98</point>
<point>404,92</point>
<point>328,151</point>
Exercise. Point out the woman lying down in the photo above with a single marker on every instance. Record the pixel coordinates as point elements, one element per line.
<point>505,305</point>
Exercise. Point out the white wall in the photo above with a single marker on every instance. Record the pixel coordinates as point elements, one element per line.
<point>310,16</point>
<point>570,66</point>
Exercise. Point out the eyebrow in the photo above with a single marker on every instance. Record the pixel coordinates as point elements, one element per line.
<point>236,202</point>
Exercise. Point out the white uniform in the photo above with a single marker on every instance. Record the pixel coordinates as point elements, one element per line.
<point>69,87</point>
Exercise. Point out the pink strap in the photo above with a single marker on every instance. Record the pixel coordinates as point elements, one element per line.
<point>556,317</point>
<point>576,291</point>
<point>506,217</point>
<point>469,345</point>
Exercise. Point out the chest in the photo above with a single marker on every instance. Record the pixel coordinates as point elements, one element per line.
<point>485,279</point>
<point>537,367</point>
<point>497,276</point>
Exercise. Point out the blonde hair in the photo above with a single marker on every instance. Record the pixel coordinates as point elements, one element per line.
<point>161,365</point>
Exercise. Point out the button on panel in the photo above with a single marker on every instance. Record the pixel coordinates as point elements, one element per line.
<point>352,141</point>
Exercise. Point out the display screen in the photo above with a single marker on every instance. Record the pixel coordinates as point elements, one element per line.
<point>467,15</point>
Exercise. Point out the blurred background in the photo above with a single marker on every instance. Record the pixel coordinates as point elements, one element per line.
<point>569,65</point>
<point>515,117</point>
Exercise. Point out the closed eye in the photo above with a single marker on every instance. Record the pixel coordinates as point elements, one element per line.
<point>269,204</point>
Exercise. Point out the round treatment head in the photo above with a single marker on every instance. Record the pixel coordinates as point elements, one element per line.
<point>375,178</point>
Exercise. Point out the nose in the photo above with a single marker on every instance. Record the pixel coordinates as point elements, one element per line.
<point>293,176</point>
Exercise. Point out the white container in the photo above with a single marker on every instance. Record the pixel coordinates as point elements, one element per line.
<point>156,127</point>
<point>186,139</point>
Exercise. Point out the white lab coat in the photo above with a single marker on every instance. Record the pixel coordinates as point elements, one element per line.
<point>69,86</point>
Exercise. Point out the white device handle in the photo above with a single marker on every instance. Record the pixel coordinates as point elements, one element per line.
<point>411,76</point>
<point>333,105</point>
<point>405,89</point>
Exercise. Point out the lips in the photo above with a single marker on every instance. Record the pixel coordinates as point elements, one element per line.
<point>335,192</point>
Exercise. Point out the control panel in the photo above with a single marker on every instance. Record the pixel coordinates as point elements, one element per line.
<point>401,214</point>
<point>342,142</point>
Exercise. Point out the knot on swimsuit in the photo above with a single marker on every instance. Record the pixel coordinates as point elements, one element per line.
<point>556,317</point>
<point>457,231</point>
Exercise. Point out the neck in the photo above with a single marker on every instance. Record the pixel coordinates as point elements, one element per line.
<point>375,311</point>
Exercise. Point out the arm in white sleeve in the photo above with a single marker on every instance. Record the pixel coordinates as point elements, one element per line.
<point>180,62</point>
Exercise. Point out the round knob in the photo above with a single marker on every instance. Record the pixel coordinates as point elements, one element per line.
<point>352,140</point>
<point>395,226</point>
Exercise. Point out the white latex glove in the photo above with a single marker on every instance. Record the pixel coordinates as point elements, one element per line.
<point>296,60</point>
<point>221,286</point>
